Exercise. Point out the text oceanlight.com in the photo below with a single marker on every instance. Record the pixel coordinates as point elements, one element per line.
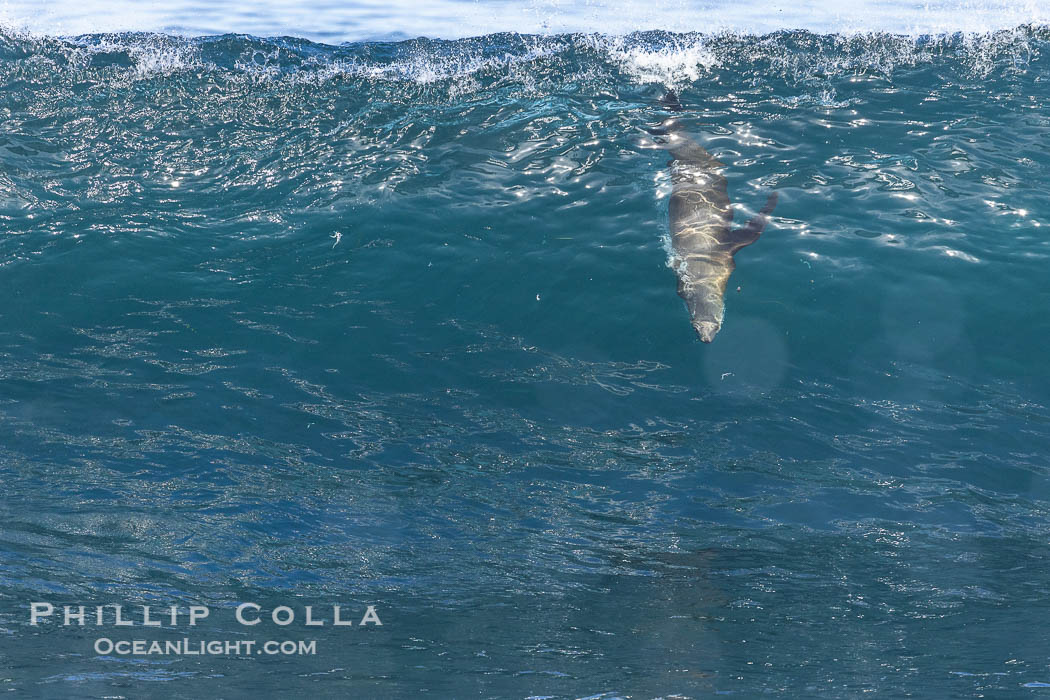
<point>187,647</point>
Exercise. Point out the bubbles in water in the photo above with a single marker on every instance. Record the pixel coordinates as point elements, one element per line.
<point>922,349</point>
<point>748,358</point>
<point>922,317</point>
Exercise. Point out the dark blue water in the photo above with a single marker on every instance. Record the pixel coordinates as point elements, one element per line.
<point>392,324</point>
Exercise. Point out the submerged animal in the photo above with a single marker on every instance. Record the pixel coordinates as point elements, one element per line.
<point>702,239</point>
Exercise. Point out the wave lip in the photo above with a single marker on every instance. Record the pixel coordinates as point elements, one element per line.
<point>536,63</point>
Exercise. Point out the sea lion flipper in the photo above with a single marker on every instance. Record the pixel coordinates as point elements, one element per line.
<point>743,237</point>
<point>771,204</point>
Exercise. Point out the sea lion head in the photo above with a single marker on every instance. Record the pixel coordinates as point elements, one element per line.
<point>706,329</point>
<point>706,309</point>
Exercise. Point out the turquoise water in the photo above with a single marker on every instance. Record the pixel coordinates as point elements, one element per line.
<point>392,324</point>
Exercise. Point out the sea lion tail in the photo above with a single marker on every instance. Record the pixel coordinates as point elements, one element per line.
<point>678,142</point>
<point>671,102</point>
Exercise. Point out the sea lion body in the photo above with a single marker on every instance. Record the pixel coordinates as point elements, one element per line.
<point>702,238</point>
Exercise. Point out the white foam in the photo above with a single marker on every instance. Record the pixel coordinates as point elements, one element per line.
<point>424,68</point>
<point>150,55</point>
<point>680,62</point>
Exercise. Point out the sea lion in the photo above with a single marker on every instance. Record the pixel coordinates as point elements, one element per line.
<point>701,238</point>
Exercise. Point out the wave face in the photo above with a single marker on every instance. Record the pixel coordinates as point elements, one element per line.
<point>392,323</point>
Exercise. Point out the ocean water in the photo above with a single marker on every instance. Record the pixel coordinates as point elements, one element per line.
<point>390,323</point>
